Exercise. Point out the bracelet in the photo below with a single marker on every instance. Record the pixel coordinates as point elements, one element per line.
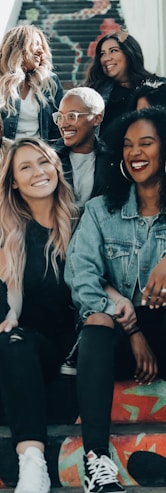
<point>132,331</point>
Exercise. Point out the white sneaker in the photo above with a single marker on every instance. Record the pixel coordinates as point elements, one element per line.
<point>33,475</point>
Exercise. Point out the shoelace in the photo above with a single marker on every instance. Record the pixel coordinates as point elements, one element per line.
<point>104,470</point>
<point>36,461</point>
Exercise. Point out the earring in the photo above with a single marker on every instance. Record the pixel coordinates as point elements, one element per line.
<point>122,171</point>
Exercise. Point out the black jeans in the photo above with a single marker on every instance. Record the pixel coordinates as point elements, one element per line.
<point>27,361</point>
<point>105,356</point>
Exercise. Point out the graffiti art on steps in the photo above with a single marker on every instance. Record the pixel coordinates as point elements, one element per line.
<point>74,31</point>
<point>132,403</point>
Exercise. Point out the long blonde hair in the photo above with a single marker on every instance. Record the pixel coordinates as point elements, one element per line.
<point>15,215</point>
<point>14,50</point>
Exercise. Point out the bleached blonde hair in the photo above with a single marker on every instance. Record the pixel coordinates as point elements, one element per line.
<point>14,51</point>
<point>15,214</point>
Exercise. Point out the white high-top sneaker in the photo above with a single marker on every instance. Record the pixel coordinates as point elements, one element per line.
<point>33,475</point>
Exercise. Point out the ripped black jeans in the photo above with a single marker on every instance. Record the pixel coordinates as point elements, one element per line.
<point>28,360</point>
<point>105,355</point>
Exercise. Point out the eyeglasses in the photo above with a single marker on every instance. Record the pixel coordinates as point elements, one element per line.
<point>70,117</point>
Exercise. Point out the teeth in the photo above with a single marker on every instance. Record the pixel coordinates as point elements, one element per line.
<point>69,134</point>
<point>110,66</point>
<point>39,183</point>
<point>139,164</point>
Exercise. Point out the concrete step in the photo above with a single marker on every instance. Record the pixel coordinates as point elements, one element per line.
<point>129,489</point>
<point>138,423</point>
<point>63,9</point>
<point>65,452</point>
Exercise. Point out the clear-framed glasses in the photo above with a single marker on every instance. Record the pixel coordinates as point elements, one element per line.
<point>70,117</point>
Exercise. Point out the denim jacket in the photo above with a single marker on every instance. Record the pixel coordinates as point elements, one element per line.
<point>120,249</point>
<point>48,130</point>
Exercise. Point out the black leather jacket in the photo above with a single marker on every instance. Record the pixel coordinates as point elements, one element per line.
<point>103,158</point>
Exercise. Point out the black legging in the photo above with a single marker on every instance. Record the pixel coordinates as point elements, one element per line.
<point>105,355</point>
<point>27,360</point>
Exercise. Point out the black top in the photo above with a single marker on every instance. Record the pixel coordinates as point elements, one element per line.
<point>47,305</point>
<point>117,104</point>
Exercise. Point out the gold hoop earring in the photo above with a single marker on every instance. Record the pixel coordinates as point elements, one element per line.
<point>122,171</point>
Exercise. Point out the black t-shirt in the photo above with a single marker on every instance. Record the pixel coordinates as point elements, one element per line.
<point>47,305</point>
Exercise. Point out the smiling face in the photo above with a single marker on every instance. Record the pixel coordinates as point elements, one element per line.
<point>113,61</point>
<point>141,152</point>
<point>35,55</point>
<point>78,135</point>
<point>34,175</point>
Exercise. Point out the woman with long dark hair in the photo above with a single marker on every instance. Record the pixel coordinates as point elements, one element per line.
<point>116,70</point>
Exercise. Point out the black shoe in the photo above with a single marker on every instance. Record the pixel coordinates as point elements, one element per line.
<point>69,367</point>
<point>101,474</point>
<point>147,468</point>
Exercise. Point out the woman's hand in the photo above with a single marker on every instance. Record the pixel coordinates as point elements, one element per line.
<point>146,363</point>
<point>125,313</point>
<point>154,293</point>
<point>6,326</point>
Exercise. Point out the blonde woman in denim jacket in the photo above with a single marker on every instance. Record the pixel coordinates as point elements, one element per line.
<point>29,91</point>
<point>120,241</point>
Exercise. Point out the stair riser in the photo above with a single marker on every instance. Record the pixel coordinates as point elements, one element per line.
<point>65,455</point>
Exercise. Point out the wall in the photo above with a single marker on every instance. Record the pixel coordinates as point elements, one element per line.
<point>9,15</point>
<point>145,21</point>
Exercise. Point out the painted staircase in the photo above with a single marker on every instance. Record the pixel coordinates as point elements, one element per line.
<point>138,423</point>
<point>72,28</point>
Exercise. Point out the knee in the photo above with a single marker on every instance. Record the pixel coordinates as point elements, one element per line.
<point>16,335</point>
<point>99,319</point>
<point>6,339</point>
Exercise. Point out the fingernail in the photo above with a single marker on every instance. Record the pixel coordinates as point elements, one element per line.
<point>157,306</point>
<point>151,307</point>
<point>8,329</point>
<point>143,289</point>
<point>143,302</point>
<point>163,304</point>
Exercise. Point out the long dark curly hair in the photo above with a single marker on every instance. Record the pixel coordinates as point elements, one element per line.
<point>118,187</point>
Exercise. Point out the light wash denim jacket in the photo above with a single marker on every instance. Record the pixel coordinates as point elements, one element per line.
<point>120,249</point>
<point>47,128</point>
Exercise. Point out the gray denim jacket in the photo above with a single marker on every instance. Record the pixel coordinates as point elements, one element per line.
<point>120,249</point>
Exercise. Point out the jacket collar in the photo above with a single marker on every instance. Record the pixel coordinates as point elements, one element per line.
<point>63,150</point>
<point>130,209</point>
